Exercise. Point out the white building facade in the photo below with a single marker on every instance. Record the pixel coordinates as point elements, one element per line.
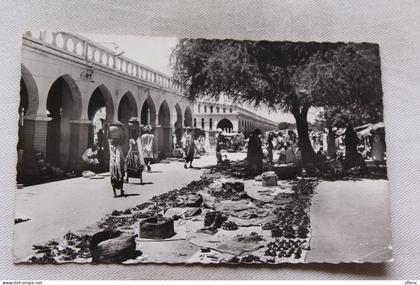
<point>69,82</point>
<point>231,118</point>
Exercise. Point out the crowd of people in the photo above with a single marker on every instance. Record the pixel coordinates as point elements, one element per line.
<point>111,140</point>
<point>336,149</point>
<point>180,145</point>
<point>108,150</point>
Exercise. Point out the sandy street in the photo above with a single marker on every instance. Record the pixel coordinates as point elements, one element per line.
<point>69,205</point>
<point>349,222</point>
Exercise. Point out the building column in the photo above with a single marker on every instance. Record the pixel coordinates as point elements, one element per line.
<point>79,139</point>
<point>35,132</point>
<point>34,140</point>
<point>163,136</point>
<point>176,127</point>
<point>215,122</point>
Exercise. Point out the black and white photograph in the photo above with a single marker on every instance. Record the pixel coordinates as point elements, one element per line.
<point>135,149</point>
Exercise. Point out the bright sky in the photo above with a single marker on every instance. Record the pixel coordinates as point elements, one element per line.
<point>155,52</point>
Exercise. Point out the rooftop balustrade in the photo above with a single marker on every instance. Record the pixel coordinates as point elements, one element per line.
<point>93,52</point>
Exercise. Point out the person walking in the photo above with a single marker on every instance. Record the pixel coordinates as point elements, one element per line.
<point>219,145</point>
<point>103,145</point>
<point>378,147</point>
<point>255,154</point>
<point>148,143</point>
<point>331,148</point>
<point>188,145</point>
<point>353,157</point>
<point>116,158</point>
<point>270,147</point>
<point>134,161</point>
<point>350,140</point>
<point>286,154</point>
<point>313,136</point>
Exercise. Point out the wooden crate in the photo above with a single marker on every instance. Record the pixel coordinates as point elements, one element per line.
<point>269,180</point>
<point>154,228</point>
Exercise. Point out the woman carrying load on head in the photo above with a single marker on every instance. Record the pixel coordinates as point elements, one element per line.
<point>134,161</point>
<point>148,144</point>
<point>188,145</point>
<point>116,157</point>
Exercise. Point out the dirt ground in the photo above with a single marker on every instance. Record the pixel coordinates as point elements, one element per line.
<point>349,219</point>
<point>351,222</point>
<point>73,204</point>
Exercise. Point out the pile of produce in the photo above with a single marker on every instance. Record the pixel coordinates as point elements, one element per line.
<point>230,226</point>
<point>178,197</point>
<point>304,186</point>
<point>117,221</point>
<point>235,169</point>
<point>285,248</point>
<point>72,247</point>
<point>292,223</point>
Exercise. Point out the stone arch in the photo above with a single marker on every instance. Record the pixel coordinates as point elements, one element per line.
<point>28,106</point>
<point>164,114</point>
<point>127,108</point>
<point>178,111</point>
<point>67,82</point>
<point>188,117</point>
<point>100,110</point>
<point>63,105</point>
<point>29,98</point>
<point>225,124</point>
<point>101,98</point>
<point>148,112</point>
<point>164,130</point>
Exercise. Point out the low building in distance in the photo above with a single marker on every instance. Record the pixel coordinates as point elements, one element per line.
<point>210,115</point>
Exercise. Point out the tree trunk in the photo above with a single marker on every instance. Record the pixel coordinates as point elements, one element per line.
<point>305,146</point>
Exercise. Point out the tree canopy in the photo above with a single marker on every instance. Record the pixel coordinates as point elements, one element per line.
<point>280,74</point>
<point>290,76</point>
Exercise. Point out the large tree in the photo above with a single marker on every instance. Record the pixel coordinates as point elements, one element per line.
<point>289,76</point>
